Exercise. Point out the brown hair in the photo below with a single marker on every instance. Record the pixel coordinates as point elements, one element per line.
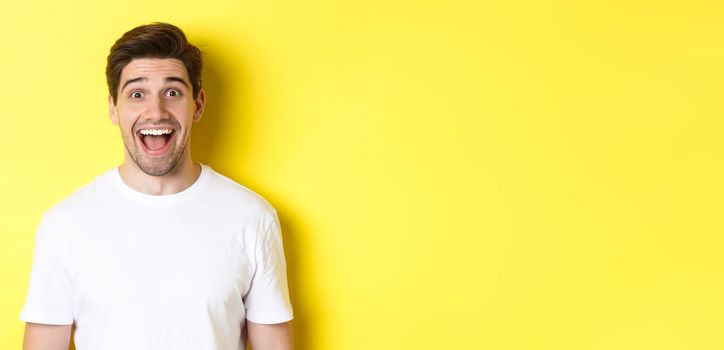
<point>155,40</point>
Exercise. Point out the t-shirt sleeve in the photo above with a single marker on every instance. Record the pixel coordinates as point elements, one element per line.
<point>267,300</point>
<point>49,298</point>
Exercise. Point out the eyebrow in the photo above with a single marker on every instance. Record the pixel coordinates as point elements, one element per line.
<point>168,80</point>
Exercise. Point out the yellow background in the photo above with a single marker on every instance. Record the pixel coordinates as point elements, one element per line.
<point>449,174</point>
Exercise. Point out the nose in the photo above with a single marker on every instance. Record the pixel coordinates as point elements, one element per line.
<point>156,108</point>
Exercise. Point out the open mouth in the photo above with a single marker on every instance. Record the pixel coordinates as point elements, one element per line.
<point>156,142</point>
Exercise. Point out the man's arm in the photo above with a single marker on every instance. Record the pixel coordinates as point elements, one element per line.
<point>46,336</point>
<point>270,336</point>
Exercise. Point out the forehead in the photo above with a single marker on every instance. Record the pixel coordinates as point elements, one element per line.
<point>154,68</point>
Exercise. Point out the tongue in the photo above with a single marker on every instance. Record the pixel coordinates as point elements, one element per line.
<point>155,143</point>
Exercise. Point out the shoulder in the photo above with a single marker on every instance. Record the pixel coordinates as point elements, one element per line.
<point>228,194</point>
<point>80,202</point>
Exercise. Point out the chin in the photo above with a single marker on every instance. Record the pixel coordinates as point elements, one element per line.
<point>156,166</point>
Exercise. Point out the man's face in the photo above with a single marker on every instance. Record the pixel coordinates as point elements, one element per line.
<point>155,109</point>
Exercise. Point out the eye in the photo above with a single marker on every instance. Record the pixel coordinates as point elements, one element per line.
<point>136,94</point>
<point>173,92</point>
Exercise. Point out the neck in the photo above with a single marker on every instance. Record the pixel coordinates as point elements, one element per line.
<point>180,178</point>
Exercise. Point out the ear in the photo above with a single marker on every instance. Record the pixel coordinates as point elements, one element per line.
<point>112,110</point>
<point>199,105</point>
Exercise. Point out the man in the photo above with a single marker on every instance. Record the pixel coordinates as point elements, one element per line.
<point>160,252</point>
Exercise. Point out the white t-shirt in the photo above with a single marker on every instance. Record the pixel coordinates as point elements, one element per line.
<point>179,271</point>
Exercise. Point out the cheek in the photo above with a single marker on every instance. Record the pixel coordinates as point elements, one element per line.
<point>182,114</point>
<point>180,107</point>
<point>126,120</point>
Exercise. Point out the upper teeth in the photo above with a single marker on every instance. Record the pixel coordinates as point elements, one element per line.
<point>155,131</point>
